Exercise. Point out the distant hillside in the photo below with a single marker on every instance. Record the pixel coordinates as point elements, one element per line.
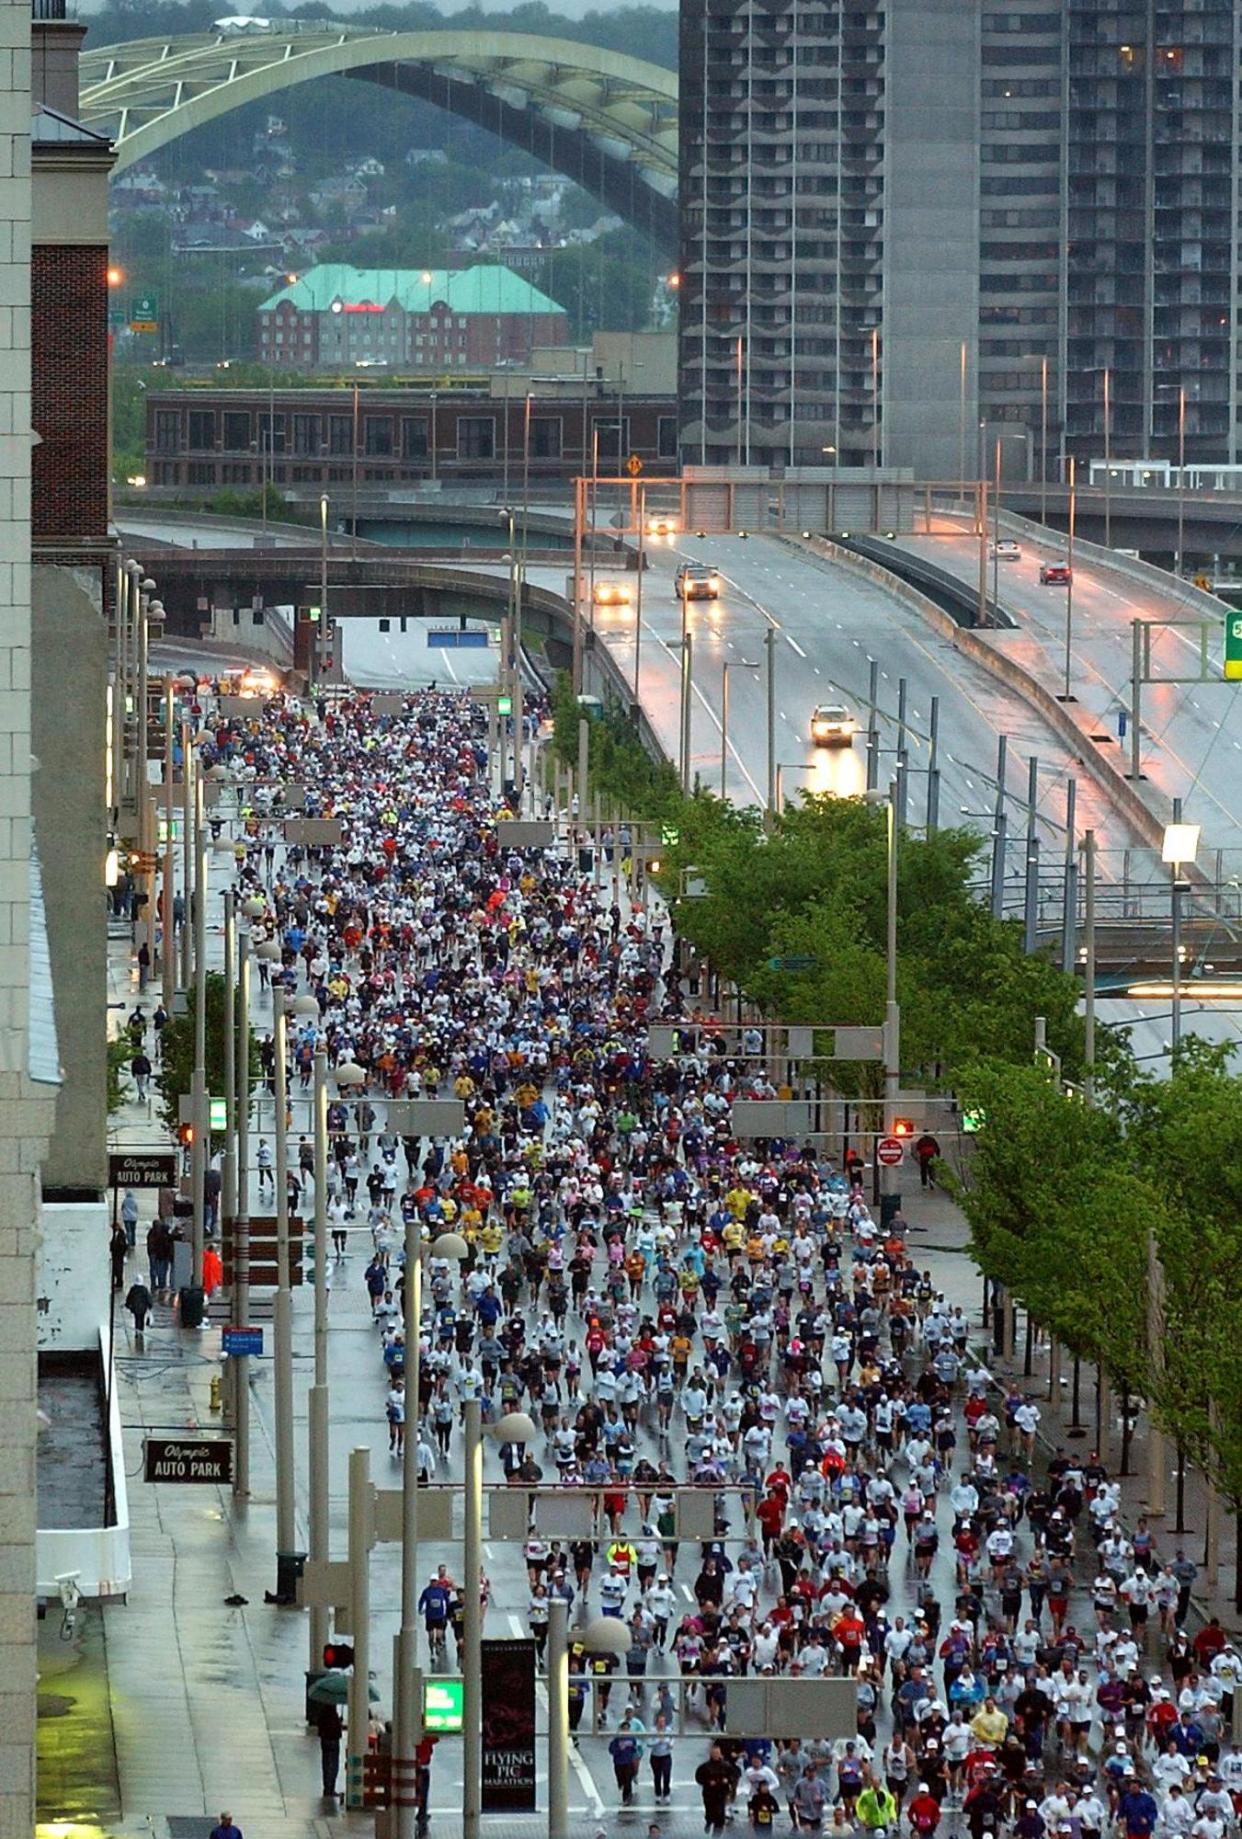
<point>648,31</point>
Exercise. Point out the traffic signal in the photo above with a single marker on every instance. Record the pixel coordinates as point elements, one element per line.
<point>338,1654</point>
<point>903,1126</point>
<point>185,1135</point>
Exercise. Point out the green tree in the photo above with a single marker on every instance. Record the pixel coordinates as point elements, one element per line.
<point>120,1053</point>
<point>175,1074</point>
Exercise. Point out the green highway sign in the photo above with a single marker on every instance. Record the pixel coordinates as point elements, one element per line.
<point>799,961</point>
<point>1233,645</point>
<point>444,1702</point>
<point>504,705</point>
<point>144,313</point>
<point>670,835</point>
<point>217,1114</point>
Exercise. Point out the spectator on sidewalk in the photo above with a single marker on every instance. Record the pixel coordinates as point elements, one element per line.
<point>331,1728</point>
<point>225,1829</point>
<point>138,1302</point>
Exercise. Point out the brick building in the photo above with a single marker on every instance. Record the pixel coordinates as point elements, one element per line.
<point>321,438</point>
<point>69,306</point>
<point>441,320</point>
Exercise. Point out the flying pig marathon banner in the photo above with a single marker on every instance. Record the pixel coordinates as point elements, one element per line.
<point>508,1726</point>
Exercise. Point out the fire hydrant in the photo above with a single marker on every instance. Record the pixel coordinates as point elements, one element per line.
<point>215,1392</point>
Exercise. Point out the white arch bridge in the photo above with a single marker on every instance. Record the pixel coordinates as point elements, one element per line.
<point>606,120</point>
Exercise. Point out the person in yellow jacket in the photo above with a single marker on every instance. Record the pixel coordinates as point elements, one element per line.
<point>877,1807</point>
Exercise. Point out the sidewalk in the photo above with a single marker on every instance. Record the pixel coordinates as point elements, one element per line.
<point>202,1678</point>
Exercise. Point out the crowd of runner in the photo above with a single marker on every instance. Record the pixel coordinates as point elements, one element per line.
<point>672,1307</point>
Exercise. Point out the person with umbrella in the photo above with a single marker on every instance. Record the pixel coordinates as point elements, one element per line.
<point>331,1727</point>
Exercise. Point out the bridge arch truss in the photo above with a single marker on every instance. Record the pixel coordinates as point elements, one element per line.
<point>603,118</point>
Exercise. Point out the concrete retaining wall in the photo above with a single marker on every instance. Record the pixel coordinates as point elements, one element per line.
<point>1146,813</point>
<point>1144,574</point>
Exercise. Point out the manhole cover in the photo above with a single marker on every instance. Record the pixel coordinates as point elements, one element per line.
<point>55,1705</point>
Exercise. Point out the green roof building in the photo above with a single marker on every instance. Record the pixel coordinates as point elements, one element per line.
<point>440,320</point>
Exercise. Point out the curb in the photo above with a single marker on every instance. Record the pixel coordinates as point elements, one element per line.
<point>1066,723</point>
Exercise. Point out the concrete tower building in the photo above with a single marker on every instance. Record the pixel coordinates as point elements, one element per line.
<point>912,229</point>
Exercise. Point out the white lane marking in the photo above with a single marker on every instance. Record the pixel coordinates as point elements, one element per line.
<point>796,646</point>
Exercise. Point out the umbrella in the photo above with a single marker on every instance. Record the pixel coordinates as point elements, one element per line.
<point>332,1688</point>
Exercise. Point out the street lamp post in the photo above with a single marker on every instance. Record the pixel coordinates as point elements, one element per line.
<point>1108,458</point>
<point>558,1718</point>
<point>638,596</point>
<point>515,1427</point>
<point>188,773</point>
<point>1066,692</point>
<point>241,1218</point>
<point>733,664</point>
<point>288,1559</point>
<point>788,766</point>
<point>961,424</point>
<point>1180,845</point>
<point>198,1085</point>
<point>1181,475</point>
<point>168,951</point>
<point>406,1708</point>
<point>769,650</point>
<point>892,1009</point>
<point>317,1400</point>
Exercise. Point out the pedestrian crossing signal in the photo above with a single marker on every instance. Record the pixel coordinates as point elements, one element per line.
<point>338,1654</point>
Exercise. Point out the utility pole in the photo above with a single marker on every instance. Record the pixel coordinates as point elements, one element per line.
<point>317,1402</point>
<point>769,644</point>
<point>241,1218</point>
<point>288,1561</point>
<point>168,949</point>
<point>472,1659</point>
<point>188,776</point>
<point>199,1108</point>
<point>361,1539</point>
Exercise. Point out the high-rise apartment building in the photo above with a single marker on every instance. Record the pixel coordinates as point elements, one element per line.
<point>913,229</point>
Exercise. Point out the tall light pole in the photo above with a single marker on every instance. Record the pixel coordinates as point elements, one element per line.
<point>241,1219</point>
<point>198,1088</point>
<point>1108,458</point>
<point>788,766</point>
<point>288,1559</point>
<point>1066,692</point>
<point>317,642</point>
<point>1181,475</point>
<point>733,664</point>
<point>892,1009</point>
<point>961,426</point>
<point>317,1401</point>
<point>1180,845</point>
<point>1043,440</point>
<point>514,1427</point>
<point>407,1711</point>
<point>769,651</point>
<point>687,703</point>
<point>638,596</point>
<point>188,775</point>
<point>168,951</point>
<point>1088,1039</point>
<point>875,397</point>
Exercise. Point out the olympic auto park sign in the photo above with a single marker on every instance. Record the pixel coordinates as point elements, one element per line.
<point>206,1460</point>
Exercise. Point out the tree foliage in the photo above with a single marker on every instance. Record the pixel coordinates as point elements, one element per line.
<point>175,1074</point>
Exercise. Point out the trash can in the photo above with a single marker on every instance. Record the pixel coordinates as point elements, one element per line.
<point>192,1305</point>
<point>289,1569</point>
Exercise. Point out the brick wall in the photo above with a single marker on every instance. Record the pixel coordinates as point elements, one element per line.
<point>69,297</point>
